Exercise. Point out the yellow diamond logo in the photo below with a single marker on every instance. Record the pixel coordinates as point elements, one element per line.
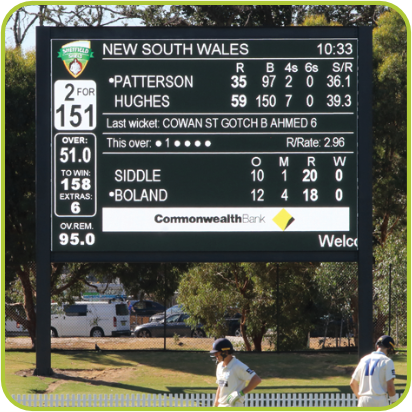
<point>283,219</point>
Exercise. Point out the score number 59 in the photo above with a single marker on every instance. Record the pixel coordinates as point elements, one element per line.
<point>238,81</point>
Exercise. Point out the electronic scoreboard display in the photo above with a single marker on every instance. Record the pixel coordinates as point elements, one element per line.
<point>204,140</point>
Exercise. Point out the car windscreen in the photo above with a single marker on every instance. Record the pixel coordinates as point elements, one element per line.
<point>121,310</point>
<point>140,305</point>
<point>173,319</point>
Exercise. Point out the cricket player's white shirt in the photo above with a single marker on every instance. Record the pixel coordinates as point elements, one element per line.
<point>373,372</point>
<point>232,377</point>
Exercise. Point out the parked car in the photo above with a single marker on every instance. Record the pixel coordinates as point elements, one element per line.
<point>233,324</point>
<point>160,316</point>
<point>146,308</point>
<point>94,319</point>
<point>175,325</point>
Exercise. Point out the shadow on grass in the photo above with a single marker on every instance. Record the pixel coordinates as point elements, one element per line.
<point>282,366</point>
<point>195,363</point>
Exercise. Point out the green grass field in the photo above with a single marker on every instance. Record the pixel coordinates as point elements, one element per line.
<point>176,372</point>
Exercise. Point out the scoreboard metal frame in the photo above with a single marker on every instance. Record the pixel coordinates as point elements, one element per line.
<point>94,200</point>
<point>77,183</point>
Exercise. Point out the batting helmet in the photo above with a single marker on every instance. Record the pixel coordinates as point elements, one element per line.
<point>222,344</point>
<point>387,342</point>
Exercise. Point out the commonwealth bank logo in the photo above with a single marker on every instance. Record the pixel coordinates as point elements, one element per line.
<point>283,219</point>
<point>75,56</point>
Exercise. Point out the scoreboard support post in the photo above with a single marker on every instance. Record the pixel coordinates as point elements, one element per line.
<point>43,223</point>
<point>365,262</point>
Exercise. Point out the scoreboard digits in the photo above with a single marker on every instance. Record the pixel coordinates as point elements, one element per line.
<point>75,105</point>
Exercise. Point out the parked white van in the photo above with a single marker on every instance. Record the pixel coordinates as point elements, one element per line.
<point>14,328</point>
<point>94,319</point>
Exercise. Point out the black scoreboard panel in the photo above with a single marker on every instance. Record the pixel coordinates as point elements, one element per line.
<point>215,141</point>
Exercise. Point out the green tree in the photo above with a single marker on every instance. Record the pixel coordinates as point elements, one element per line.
<point>391,264</point>
<point>158,280</point>
<point>211,290</point>
<point>390,124</point>
<point>187,15</point>
<point>257,15</point>
<point>211,15</point>
<point>318,20</point>
<point>19,219</point>
<point>347,15</point>
<point>61,16</point>
<point>337,283</point>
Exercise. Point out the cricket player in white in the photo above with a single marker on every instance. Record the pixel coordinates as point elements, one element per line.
<point>373,379</point>
<point>231,375</point>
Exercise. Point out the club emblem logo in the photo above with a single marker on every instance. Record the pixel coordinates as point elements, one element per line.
<point>75,56</point>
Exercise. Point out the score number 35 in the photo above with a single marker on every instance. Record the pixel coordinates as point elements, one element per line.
<point>238,81</point>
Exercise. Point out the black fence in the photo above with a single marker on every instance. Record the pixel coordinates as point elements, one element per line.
<point>117,324</point>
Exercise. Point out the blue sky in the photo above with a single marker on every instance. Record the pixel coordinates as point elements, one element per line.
<point>30,39</point>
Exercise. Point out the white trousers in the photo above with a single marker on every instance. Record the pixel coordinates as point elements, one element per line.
<point>372,401</point>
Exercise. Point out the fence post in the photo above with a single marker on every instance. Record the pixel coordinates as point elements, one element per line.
<point>305,400</point>
<point>300,399</point>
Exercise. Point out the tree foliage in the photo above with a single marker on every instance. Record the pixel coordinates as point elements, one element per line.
<point>62,16</point>
<point>253,15</point>
<point>19,219</point>
<point>345,15</point>
<point>269,297</point>
<point>263,15</point>
<point>158,280</point>
<point>390,124</point>
<point>319,20</point>
<point>19,154</point>
<point>337,283</point>
<point>390,286</point>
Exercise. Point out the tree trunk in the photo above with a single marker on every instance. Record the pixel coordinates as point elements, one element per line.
<point>29,307</point>
<point>243,330</point>
<point>257,341</point>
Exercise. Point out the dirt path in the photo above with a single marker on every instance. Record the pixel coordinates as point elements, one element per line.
<point>133,343</point>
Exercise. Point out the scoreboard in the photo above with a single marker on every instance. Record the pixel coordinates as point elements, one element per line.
<point>204,141</point>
